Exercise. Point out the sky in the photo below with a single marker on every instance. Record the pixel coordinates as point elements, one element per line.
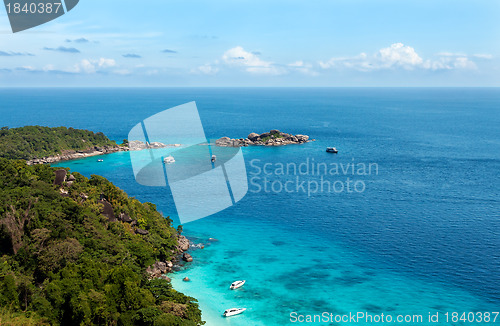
<point>254,43</point>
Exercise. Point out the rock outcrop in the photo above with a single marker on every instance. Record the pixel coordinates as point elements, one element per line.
<point>60,177</point>
<point>137,145</point>
<point>158,269</point>
<point>187,257</point>
<point>107,210</point>
<point>141,232</point>
<point>183,243</point>
<point>272,138</point>
<point>124,217</point>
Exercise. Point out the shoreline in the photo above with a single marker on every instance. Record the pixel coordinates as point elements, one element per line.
<point>68,155</point>
<point>74,155</point>
<point>181,270</point>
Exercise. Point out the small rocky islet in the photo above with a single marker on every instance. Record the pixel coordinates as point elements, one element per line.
<point>271,138</point>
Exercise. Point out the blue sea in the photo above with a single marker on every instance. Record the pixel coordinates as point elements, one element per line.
<point>418,235</point>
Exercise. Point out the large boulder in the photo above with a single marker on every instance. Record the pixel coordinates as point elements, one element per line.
<point>157,270</point>
<point>141,232</point>
<point>187,257</point>
<point>264,135</point>
<point>253,136</point>
<point>302,138</point>
<point>224,141</point>
<point>60,177</point>
<point>107,210</point>
<point>136,145</point>
<point>125,217</point>
<point>275,132</point>
<point>183,243</point>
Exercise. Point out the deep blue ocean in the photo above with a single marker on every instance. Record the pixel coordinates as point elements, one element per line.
<point>423,235</point>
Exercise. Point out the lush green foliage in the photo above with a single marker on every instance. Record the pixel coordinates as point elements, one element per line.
<point>36,142</point>
<point>274,136</point>
<point>63,263</point>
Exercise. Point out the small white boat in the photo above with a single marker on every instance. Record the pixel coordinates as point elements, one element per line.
<point>237,284</point>
<point>169,159</point>
<point>213,158</point>
<point>100,160</point>
<point>332,150</point>
<point>233,312</point>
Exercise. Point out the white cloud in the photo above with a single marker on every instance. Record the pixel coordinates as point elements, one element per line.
<point>302,67</point>
<point>400,56</point>
<point>450,54</point>
<point>206,69</point>
<point>90,66</point>
<point>360,62</point>
<point>483,56</point>
<point>449,61</point>
<point>296,64</point>
<point>464,63</point>
<point>238,57</point>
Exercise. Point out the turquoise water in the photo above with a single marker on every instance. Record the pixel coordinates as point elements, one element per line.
<point>422,237</point>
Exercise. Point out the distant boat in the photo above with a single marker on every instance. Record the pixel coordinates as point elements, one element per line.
<point>233,312</point>
<point>332,150</point>
<point>214,158</point>
<point>237,284</point>
<point>100,160</point>
<point>169,159</point>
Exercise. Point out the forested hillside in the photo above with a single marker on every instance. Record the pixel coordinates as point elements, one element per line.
<point>35,141</point>
<point>71,253</point>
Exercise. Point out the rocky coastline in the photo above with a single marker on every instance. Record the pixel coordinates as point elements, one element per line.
<point>160,268</point>
<point>181,256</point>
<point>271,138</point>
<point>67,155</point>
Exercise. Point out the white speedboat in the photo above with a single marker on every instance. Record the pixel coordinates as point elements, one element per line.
<point>237,284</point>
<point>214,158</point>
<point>233,312</point>
<point>332,150</point>
<point>169,159</point>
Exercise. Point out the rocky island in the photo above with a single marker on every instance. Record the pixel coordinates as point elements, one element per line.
<point>271,138</point>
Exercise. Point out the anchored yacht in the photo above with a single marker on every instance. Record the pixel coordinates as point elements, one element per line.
<point>233,312</point>
<point>237,284</point>
<point>169,159</point>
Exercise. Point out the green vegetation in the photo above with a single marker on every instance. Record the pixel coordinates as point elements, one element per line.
<point>274,136</point>
<point>36,142</point>
<point>64,263</point>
